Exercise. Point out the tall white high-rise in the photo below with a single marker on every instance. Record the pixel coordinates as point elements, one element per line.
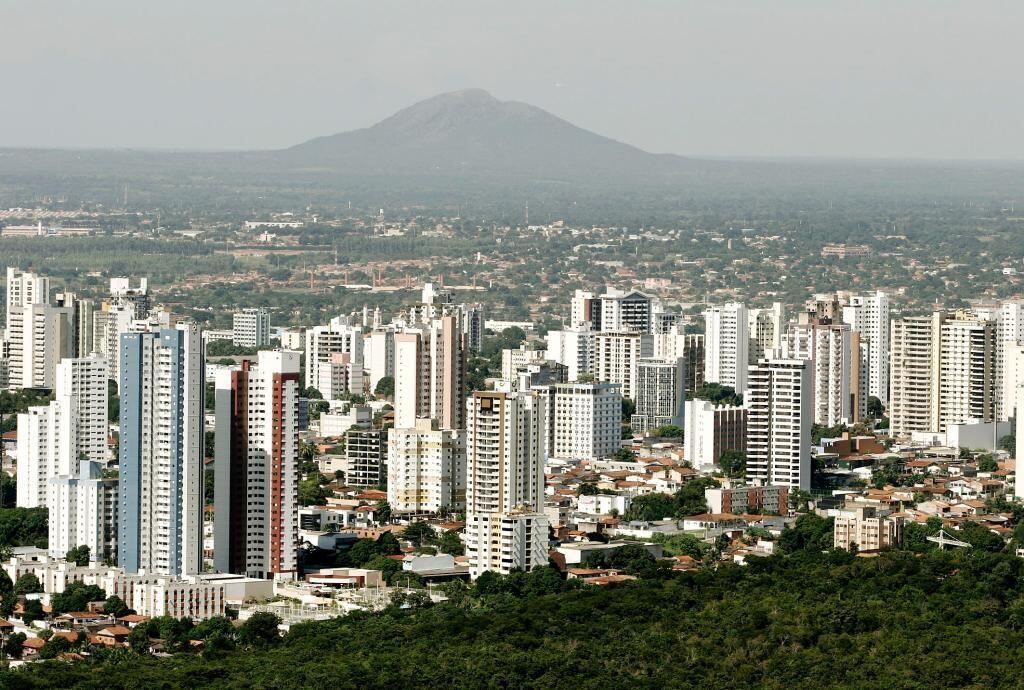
<point>661,393</point>
<point>25,288</point>
<point>506,528</point>
<point>426,469</point>
<point>430,374</point>
<point>160,512</point>
<point>38,336</point>
<point>779,404</point>
<point>617,358</point>
<point>767,330</point>
<point>584,304</point>
<point>1009,335</point>
<point>827,347</point>
<point>584,420</point>
<point>54,438</point>
<point>726,343</point>
<point>251,327</point>
<point>869,316</point>
<point>574,348</point>
<point>379,355</point>
<point>83,512</point>
<point>943,371</point>
<point>337,337</point>
<point>256,526</point>
<point>626,311</point>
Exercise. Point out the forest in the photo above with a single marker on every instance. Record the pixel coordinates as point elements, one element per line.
<point>810,619</point>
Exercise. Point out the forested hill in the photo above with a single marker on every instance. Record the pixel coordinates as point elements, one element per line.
<point>811,620</point>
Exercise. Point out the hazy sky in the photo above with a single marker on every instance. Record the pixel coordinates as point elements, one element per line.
<point>867,78</point>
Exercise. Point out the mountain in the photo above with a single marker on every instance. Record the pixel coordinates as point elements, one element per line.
<point>471,133</point>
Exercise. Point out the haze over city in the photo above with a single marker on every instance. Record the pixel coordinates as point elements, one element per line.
<point>738,78</point>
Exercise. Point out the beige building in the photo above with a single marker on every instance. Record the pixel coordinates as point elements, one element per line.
<point>868,531</point>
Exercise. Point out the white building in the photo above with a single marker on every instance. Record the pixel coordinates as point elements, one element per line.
<point>574,348</point>
<point>1009,337</point>
<point>52,439</point>
<point>868,315</point>
<point>661,392</point>
<point>585,420</point>
<point>340,377</point>
<point>711,430</point>
<point>83,512</point>
<point>378,355</point>
<point>38,337</point>
<point>626,311</point>
<point>506,528</point>
<point>426,469</point>
<point>726,344</point>
<point>779,403</point>
<point>617,358</point>
<point>827,347</point>
<point>251,327</point>
<point>24,289</point>
<point>767,330</point>
<point>430,374</point>
<point>338,337</point>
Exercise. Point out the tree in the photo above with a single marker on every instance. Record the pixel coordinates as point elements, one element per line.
<point>138,639</point>
<point>650,507</point>
<point>78,555</point>
<point>875,408</point>
<point>450,543</point>
<point>718,394</point>
<point>115,606</point>
<point>76,597</point>
<point>667,431</point>
<point>33,611</point>
<point>113,402</point>
<point>8,600</point>
<point>733,463</point>
<point>419,533</point>
<point>987,463</point>
<point>383,513</point>
<point>625,455</point>
<point>385,387</point>
<point>388,567</point>
<point>54,647</point>
<point>810,531</point>
<point>27,584</point>
<point>311,493</point>
<point>12,645</point>
<point>1008,443</point>
<point>981,537</point>
<point>261,630</point>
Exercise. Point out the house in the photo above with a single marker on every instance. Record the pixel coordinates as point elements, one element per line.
<point>113,636</point>
<point>132,619</point>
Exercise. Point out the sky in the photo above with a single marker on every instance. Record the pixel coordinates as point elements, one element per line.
<point>827,78</point>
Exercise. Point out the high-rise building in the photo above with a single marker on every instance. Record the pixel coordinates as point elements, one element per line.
<point>430,374</point>
<point>779,403</point>
<point>251,327</point>
<point>24,289</point>
<point>617,358</point>
<point>869,316</point>
<point>53,438</point>
<point>256,469</point>
<point>160,516</point>
<point>426,469</point>
<point>506,528</point>
<point>711,430</point>
<point>83,512</point>
<point>338,337</point>
<point>726,342</point>
<point>828,349</point>
<point>661,392</point>
<point>943,371</point>
<point>626,311</point>
<point>135,298</point>
<point>574,348</point>
<point>366,454</point>
<point>340,377</point>
<point>378,355</point>
<point>81,317</point>
<point>767,330</point>
<point>584,420</point>
<point>1009,335</point>
<point>586,310</point>
<point>39,336</point>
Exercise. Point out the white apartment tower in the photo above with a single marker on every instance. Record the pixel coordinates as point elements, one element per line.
<point>779,404</point>
<point>54,438</point>
<point>869,316</point>
<point>828,349</point>
<point>767,330</point>
<point>250,327</point>
<point>617,358</point>
<point>39,336</point>
<point>574,348</point>
<point>584,420</point>
<point>726,343</point>
<point>426,469</point>
<point>24,289</point>
<point>506,528</point>
<point>338,337</point>
<point>430,374</point>
<point>83,512</point>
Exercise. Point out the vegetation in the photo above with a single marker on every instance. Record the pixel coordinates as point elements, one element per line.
<point>23,527</point>
<point>689,500</point>
<point>809,620</point>
<point>718,394</point>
